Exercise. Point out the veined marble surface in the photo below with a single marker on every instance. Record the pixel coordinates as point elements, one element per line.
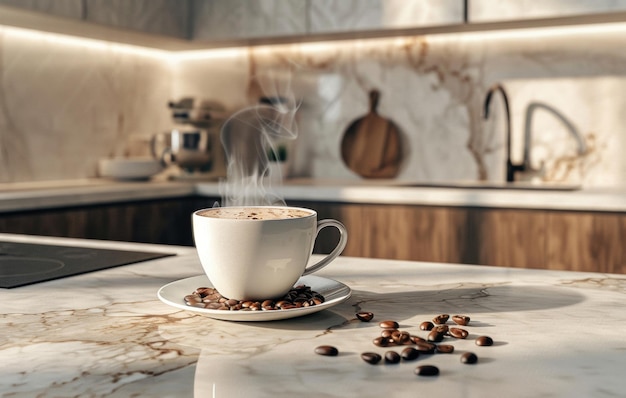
<point>557,334</point>
<point>65,103</point>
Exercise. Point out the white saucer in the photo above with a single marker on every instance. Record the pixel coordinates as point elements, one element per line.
<point>334,293</point>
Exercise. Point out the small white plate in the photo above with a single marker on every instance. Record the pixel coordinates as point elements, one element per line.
<point>334,293</point>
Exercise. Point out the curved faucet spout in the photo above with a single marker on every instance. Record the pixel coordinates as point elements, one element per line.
<point>532,107</point>
<point>511,168</point>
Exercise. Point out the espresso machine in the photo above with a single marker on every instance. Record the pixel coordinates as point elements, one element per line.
<point>192,148</point>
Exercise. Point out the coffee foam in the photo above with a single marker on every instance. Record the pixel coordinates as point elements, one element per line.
<point>255,213</point>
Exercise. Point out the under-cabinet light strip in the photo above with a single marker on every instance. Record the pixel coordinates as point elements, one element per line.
<point>174,56</point>
<point>73,41</point>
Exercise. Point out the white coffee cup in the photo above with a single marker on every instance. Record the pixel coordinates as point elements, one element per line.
<point>259,252</point>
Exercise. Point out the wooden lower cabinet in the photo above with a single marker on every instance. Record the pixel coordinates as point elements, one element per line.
<point>164,221</point>
<point>586,242</point>
<point>559,240</point>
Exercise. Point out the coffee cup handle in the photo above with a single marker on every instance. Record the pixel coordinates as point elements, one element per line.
<point>343,239</point>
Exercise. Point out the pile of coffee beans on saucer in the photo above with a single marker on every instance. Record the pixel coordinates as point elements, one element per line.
<point>440,334</point>
<point>298,297</point>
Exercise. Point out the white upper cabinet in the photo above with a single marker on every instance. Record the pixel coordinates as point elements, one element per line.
<point>59,8</point>
<point>246,19</point>
<point>179,24</point>
<point>505,10</point>
<point>162,17</point>
<point>331,16</point>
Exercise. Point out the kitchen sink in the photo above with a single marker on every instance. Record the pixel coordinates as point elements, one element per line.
<point>524,185</point>
<point>518,185</point>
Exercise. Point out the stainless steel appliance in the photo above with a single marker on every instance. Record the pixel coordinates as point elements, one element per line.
<point>193,145</point>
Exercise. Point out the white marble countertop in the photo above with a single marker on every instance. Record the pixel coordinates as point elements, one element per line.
<point>54,194</point>
<point>557,334</point>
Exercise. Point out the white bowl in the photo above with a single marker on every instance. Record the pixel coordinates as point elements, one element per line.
<point>129,168</point>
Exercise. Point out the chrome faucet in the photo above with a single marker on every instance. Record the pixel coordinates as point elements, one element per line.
<point>511,168</point>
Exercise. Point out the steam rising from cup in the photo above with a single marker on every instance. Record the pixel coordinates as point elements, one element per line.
<point>250,137</point>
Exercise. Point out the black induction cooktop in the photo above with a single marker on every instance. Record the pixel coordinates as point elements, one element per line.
<point>27,263</point>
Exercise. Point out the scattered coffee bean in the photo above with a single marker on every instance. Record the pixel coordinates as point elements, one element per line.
<point>458,333</point>
<point>417,339</point>
<point>400,337</point>
<point>462,320</point>
<point>445,348</point>
<point>427,370</point>
<point>435,336</point>
<point>409,354</point>
<point>443,329</point>
<point>484,341</point>
<point>209,298</point>
<point>389,325</point>
<point>371,357</point>
<point>382,341</point>
<point>365,316</point>
<point>469,358</point>
<point>425,348</point>
<point>327,350</point>
<point>390,334</point>
<point>426,325</point>
<point>387,333</point>
<point>392,357</point>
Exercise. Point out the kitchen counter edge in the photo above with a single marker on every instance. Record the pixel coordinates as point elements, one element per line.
<point>96,192</point>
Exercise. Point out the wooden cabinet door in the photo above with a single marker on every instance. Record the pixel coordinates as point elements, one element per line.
<point>505,237</point>
<point>166,221</point>
<point>398,232</point>
<point>586,242</point>
<point>577,241</point>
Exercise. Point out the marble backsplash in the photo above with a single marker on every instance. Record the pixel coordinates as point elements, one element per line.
<point>65,103</point>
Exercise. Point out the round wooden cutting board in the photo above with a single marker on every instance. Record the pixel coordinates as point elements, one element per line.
<point>371,144</point>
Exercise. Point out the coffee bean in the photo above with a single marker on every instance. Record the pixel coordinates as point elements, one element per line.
<point>462,320</point>
<point>327,350</point>
<point>365,316</point>
<point>392,357</point>
<point>382,341</point>
<point>445,348</point>
<point>389,325</point>
<point>435,336</point>
<point>469,358</point>
<point>417,339</point>
<point>371,357</point>
<point>409,354</point>
<point>203,291</point>
<point>427,370</point>
<point>193,299</point>
<point>443,329</point>
<point>458,333</point>
<point>426,325</point>
<point>210,298</point>
<point>484,341</point>
<point>400,337</point>
<point>425,348</point>
<point>388,333</point>
<point>441,319</point>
